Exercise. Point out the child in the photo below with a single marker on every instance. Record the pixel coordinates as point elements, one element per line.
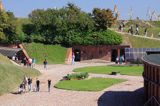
<point>45,64</point>
<point>21,88</point>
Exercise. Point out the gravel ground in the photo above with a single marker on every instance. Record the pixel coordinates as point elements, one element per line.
<point>128,93</point>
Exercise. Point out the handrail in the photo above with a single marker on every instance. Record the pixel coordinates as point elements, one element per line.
<point>152,98</point>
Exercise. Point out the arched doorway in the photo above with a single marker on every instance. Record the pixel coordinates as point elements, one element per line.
<point>77,54</point>
<point>122,53</point>
<point>114,55</point>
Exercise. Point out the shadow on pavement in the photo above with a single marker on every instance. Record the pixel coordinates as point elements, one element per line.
<point>122,98</point>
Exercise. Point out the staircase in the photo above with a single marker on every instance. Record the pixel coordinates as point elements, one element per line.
<point>24,51</point>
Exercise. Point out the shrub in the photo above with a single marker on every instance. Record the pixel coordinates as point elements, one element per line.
<point>76,76</point>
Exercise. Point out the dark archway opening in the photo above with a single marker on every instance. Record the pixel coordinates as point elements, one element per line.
<point>114,55</point>
<point>122,53</point>
<point>77,54</point>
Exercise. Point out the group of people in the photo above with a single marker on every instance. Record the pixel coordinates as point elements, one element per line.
<point>29,62</point>
<point>27,82</point>
<point>121,26</point>
<point>131,29</point>
<point>120,60</point>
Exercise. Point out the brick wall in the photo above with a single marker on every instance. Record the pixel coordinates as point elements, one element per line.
<point>97,52</point>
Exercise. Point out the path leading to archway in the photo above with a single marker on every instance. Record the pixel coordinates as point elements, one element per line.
<point>121,94</point>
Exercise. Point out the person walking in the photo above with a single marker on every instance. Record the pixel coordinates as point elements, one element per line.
<point>73,59</point>
<point>137,30</point>
<point>145,32</point>
<point>45,64</point>
<point>49,85</point>
<point>25,81</point>
<point>29,84</point>
<point>30,62</point>
<point>37,85</point>
<point>117,60</point>
<point>130,30</point>
<point>24,61</point>
<point>33,62</point>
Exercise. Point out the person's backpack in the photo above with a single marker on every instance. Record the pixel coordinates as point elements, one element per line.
<point>45,62</point>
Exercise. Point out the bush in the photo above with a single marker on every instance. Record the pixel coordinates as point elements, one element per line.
<point>76,76</point>
<point>107,37</point>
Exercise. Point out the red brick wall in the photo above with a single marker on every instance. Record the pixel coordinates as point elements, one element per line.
<point>97,52</point>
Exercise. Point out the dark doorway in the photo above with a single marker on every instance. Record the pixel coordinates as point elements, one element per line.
<point>114,55</point>
<point>77,54</point>
<point>122,53</point>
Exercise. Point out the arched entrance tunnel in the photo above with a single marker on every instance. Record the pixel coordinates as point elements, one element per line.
<point>117,53</point>
<point>114,55</point>
<point>77,54</point>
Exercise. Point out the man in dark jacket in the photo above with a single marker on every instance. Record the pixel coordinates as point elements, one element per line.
<point>37,85</point>
<point>49,85</point>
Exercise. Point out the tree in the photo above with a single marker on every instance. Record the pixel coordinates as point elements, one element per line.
<point>103,18</point>
<point>71,26</point>
<point>9,32</point>
<point>54,24</point>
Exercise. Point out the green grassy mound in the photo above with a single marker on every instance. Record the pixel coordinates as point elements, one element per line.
<point>94,84</point>
<point>4,60</point>
<point>124,70</point>
<point>143,43</point>
<point>11,76</point>
<point>55,54</point>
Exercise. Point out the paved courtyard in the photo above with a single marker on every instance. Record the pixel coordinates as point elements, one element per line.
<point>128,93</point>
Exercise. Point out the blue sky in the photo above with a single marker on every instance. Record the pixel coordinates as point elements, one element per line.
<point>22,8</point>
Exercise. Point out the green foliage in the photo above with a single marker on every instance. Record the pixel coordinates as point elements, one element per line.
<point>54,25</point>
<point>78,76</point>
<point>124,70</point>
<point>107,37</point>
<point>93,84</point>
<point>70,26</point>
<point>55,54</point>
<point>9,31</point>
<point>11,76</point>
<point>103,18</point>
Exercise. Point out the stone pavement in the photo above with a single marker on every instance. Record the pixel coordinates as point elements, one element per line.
<point>128,93</point>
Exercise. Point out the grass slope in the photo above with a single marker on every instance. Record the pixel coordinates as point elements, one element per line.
<point>94,84</point>
<point>124,70</point>
<point>4,60</point>
<point>11,76</point>
<point>143,43</point>
<point>152,26</point>
<point>55,54</point>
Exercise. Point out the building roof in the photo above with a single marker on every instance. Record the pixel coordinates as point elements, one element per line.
<point>9,52</point>
<point>152,58</point>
